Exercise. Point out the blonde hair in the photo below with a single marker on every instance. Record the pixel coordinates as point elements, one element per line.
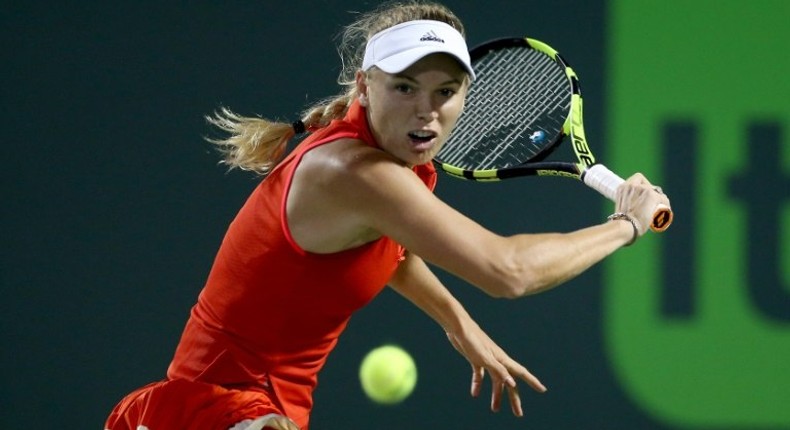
<point>257,144</point>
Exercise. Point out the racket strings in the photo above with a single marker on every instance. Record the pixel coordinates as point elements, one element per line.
<point>515,110</point>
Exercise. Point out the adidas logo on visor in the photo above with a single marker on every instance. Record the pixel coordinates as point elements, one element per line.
<point>431,36</point>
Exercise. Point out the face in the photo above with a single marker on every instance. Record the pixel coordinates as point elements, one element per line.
<point>412,113</point>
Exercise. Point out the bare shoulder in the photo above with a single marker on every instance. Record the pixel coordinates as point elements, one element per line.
<point>351,168</point>
<point>346,193</point>
<point>349,159</point>
<point>339,192</point>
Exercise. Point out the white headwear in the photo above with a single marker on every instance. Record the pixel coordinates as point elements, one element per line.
<point>398,47</point>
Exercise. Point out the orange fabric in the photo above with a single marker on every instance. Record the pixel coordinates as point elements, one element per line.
<point>187,405</point>
<point>270,312</point>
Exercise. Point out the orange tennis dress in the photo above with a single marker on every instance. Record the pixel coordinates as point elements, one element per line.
<point>269,314</point>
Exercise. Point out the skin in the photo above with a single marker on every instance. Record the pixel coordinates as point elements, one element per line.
<point>346,193</point>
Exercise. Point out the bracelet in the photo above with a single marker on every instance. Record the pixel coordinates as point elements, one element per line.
<point>621,215</point>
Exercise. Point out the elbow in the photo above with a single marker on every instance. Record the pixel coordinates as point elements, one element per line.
<point>512,272</point>
<point>515,281</point>
<point>506,292</point>
<point>522,289</point>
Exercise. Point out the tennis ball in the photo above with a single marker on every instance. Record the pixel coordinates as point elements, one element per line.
<point>388,374</point>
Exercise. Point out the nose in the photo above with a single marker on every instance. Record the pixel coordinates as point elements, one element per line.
<point>426,111</point>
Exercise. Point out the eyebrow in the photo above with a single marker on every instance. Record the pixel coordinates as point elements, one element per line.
<point>409,78</point>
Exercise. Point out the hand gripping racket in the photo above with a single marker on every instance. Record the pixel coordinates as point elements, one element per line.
<point>525,100</point>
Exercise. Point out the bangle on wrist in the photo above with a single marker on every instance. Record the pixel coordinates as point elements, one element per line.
<point>623,216</point>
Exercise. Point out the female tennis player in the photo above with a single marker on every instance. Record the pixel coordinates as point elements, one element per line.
<point>349,211</point>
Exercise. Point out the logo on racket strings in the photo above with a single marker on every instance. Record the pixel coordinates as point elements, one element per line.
<point>537,137</point>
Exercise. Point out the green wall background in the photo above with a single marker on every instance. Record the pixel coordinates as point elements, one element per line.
<point>113,207</point>
<point>701,87</point>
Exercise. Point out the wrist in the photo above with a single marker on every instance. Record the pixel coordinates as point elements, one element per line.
<point>620,216</point>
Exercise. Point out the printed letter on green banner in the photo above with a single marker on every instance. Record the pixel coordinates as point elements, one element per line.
<point>697,319</point>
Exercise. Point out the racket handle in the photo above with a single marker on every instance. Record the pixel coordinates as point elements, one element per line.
<point>606,182</point>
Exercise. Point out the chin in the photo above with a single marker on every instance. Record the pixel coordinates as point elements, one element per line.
<point>422,158</point>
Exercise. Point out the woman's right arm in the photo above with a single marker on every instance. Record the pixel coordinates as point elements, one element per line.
<point>382,195</point>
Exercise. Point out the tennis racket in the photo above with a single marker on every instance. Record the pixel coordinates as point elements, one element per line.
<point>525,101</point>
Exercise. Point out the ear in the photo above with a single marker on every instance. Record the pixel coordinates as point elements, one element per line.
<point>362,87</point>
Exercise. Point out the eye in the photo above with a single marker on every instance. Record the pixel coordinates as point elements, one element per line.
<point>404,88</point>
<point>447,92</point>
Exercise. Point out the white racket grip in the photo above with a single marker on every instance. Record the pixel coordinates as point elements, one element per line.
<point>603,180</point>
<point>606,182</point>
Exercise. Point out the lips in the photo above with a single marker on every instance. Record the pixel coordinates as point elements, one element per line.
<point>422,140</point>
<point>422,136</point>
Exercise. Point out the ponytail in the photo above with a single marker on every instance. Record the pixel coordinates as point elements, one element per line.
<point>257,144</point>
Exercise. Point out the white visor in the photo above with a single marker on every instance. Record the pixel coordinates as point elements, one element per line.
<point>398,47</point>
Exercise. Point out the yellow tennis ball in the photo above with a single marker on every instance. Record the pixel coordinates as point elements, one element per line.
<point>388,374</point>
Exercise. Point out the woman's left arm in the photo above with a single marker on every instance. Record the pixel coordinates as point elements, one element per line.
<point>416,282</point>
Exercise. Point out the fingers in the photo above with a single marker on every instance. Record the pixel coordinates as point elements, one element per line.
<point>498,386</point>
<point>638,179</point>
<point>521,372</point>
<point>496,396</point>
<point>484,357</point>
<point>535,383</point>
<point>515,401</point>
<point>504,381</point>
<point>478,374</point>
<point>640,199</point>
<point>663,197</point>
<point>513,397</point>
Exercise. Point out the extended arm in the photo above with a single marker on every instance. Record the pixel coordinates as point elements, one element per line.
<point>351,194</point>
<point>397,204</point>
<point>415,281</point>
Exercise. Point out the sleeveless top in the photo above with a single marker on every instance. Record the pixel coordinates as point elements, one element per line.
<point>271,312</point>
